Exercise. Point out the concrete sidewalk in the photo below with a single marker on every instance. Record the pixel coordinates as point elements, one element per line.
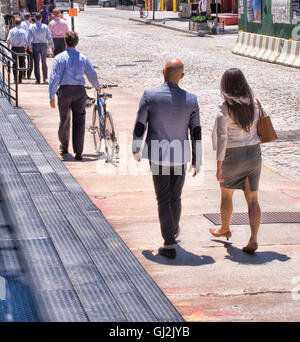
<point>170,20</point>
<point>210,280</point>
<point>163,19</point>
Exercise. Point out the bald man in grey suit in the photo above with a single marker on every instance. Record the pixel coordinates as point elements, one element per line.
<point>168,114</point>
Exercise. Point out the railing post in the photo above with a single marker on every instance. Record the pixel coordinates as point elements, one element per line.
<point>8,79</point>
<point>16,80</point>
<point>3,76</point>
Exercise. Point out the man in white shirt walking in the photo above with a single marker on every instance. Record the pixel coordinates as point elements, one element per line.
<point>17,41</point>
<point>26,25</point>
<point>202,8</point>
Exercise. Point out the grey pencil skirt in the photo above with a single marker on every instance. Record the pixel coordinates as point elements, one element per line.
<point>239,164</point>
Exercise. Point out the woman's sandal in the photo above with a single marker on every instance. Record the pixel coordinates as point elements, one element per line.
<point>250,250</point>
<point>214,232</point>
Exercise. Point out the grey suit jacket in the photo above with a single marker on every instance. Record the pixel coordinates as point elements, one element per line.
<point>168,113</point>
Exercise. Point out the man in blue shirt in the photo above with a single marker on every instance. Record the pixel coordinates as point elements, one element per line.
<point>38,38</point>
<point>67,75</point>
<point>17,40</point>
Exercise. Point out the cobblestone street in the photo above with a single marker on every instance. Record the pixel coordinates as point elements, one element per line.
<point>133,54</point>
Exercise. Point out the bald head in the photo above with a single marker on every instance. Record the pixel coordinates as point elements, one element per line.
<point>173,70</point>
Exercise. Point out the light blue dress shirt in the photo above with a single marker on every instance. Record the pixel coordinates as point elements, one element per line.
<point>39,33</point>
<point>69,68</point>
<point>17,37</point>
<point>26,25</point>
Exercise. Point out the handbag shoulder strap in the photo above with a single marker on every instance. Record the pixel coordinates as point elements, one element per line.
<point>261,111</point>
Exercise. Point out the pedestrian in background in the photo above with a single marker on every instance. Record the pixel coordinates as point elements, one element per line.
<point>22,13</point>
<point>237,144</point>
<point>17,41</point>
<point>168,113</point>
<point>45,15</point>
<point>26,25</point>
<point>67,75</point>
<point>58,28</point>
<point>38,38</point>
<point>202,8</point>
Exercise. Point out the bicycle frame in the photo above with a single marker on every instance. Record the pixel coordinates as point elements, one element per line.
<point>101,104</point>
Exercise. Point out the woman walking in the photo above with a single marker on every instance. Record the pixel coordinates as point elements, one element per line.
<point>237,144</point>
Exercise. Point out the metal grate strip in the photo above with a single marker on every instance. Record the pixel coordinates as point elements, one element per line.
<point>14,188</point>
<point>24,163</point>
<point>7,165</point>
<point>266,218</point>
<point>35,184</point>
<point>3,148</point>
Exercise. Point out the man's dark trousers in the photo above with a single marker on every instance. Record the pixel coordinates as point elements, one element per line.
<point>168,183</point>
<point>72,98</point>
<point>21,61</point>
<point>59,44</point>
<point>30,62</point>
<point>39,52</point>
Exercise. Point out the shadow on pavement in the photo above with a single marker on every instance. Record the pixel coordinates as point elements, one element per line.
<point>237,255</point>
<point>184,258</point>
<point>85,158</point>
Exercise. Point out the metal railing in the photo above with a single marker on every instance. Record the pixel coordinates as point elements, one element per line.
<point>9,60</point>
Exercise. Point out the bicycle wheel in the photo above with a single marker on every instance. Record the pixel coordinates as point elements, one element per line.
<point>111,147</point>
<point>98,125</point>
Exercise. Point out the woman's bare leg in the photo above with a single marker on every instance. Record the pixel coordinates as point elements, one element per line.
<point>226,210</point>
<point>254,214</point>
<point>226,207</point>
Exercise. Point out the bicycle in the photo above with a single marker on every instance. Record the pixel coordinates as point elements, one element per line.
<point>102,127</point>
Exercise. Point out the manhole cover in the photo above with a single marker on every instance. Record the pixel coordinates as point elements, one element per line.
<point>266,218</point>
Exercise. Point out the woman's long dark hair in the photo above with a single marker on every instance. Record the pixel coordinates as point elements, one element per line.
<point>239,98</point>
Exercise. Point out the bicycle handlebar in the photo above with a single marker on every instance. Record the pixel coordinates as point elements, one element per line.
<point>103,86</point>
<point>108,86</point>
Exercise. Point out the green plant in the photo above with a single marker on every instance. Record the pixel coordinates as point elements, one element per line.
<point>210,18</point>
<point>199,19</point>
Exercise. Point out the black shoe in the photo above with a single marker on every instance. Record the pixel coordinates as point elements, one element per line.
<point>167,252</point>
<point>78,156</point>
<point>37,82</point>
<point>20,81</point>
<point>63,150</point>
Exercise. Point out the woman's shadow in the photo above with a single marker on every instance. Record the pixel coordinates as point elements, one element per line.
<point>183,258</point>
<point>258,258</point>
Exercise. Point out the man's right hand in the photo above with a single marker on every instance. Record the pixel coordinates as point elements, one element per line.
<point>196,169</point>
<point>52,103</point>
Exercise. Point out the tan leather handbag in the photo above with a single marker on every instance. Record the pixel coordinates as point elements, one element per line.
<point>265,129</point>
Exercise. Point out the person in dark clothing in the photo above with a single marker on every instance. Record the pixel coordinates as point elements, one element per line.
<point>45,15</point>
<point>168,113</point>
